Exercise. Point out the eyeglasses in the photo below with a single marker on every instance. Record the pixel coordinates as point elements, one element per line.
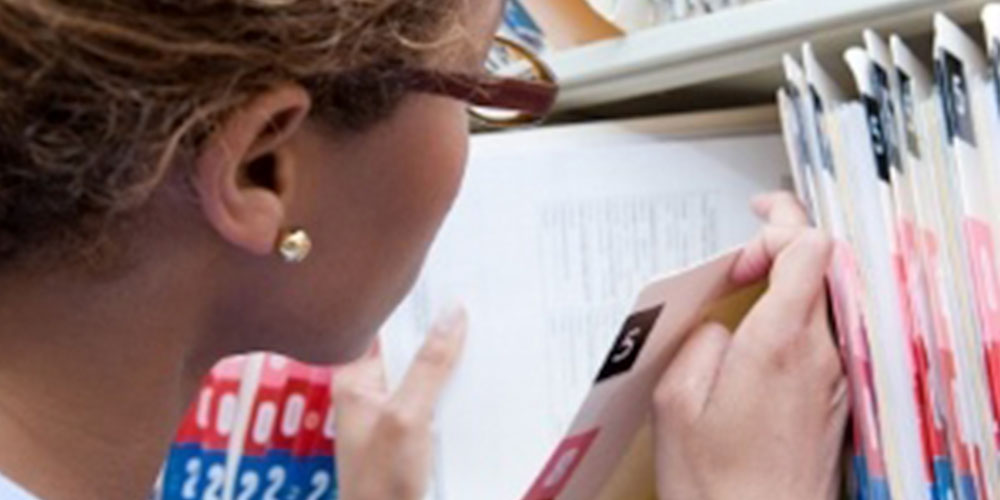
<point>516,88</point>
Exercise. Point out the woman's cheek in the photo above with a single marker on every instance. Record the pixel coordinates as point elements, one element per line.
<point>437,156</point>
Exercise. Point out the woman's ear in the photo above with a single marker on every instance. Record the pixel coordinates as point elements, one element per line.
<point>245,171</point>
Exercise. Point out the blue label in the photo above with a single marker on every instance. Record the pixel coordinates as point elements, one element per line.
<point>879,489</point>
<point>182,473</point>
<point>261,478</point>
<point>967,487</point>
<point>213,477</point>
<point>311,478</point>
<point>944,482</point>
<point>319,478</point>
<point>860,488</point>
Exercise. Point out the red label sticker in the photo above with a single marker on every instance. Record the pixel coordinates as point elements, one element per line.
<point>561,466</point>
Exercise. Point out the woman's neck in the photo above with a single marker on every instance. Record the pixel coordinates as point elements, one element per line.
<point>93,381</point>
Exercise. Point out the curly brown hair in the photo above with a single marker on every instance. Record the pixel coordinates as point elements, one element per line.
<point>98,98</point>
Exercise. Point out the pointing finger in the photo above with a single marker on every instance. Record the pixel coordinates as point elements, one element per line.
<point>422,386</point>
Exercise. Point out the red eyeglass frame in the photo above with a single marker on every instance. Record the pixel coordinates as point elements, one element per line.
<point>533,99</point>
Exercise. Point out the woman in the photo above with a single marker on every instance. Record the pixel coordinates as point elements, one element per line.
<point>167,165</point>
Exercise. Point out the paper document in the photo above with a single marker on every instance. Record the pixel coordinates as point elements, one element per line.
<point>548,246</point>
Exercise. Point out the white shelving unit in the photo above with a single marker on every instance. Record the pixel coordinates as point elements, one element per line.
<point>728,44</point>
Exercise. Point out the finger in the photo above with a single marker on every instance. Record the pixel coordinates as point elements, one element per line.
<point>796,283</point>
<point>761,204</point>
<point>684,389</point>
<point>756,259</point>
<point>421,387</point>
<point>780,208</point>
<point>366,374</point>
<point>359,393</point>
<point>829,365</point>
<point>359,390</point>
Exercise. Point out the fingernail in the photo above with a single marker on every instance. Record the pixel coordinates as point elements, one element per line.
<point>454,319</point>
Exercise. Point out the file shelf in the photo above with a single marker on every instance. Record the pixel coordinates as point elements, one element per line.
<point>742,41</point>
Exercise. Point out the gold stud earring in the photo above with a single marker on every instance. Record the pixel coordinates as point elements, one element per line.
<point>294,245</point>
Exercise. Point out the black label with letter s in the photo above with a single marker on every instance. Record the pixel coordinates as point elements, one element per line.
<point>629,343</point>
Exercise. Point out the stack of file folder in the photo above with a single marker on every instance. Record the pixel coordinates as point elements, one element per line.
<point>903,171</point>
<point>262,427</point>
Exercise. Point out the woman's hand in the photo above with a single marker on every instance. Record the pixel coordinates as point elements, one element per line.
<point>759,413</point>
<point>384,440</point>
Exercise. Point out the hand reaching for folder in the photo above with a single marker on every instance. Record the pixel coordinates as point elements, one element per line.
<point>759,413</point>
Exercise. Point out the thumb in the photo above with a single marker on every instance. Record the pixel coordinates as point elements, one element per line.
<point>684,389</point>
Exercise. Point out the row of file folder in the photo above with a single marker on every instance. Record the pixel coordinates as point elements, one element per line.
<point>261,428</point>
<point>903,172</point>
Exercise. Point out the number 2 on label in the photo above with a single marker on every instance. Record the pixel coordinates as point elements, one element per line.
<point>321,483</point>
<point>190,489</point>
<point>216,476</point>
<point>276,476</point>
<point>249,483</point>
